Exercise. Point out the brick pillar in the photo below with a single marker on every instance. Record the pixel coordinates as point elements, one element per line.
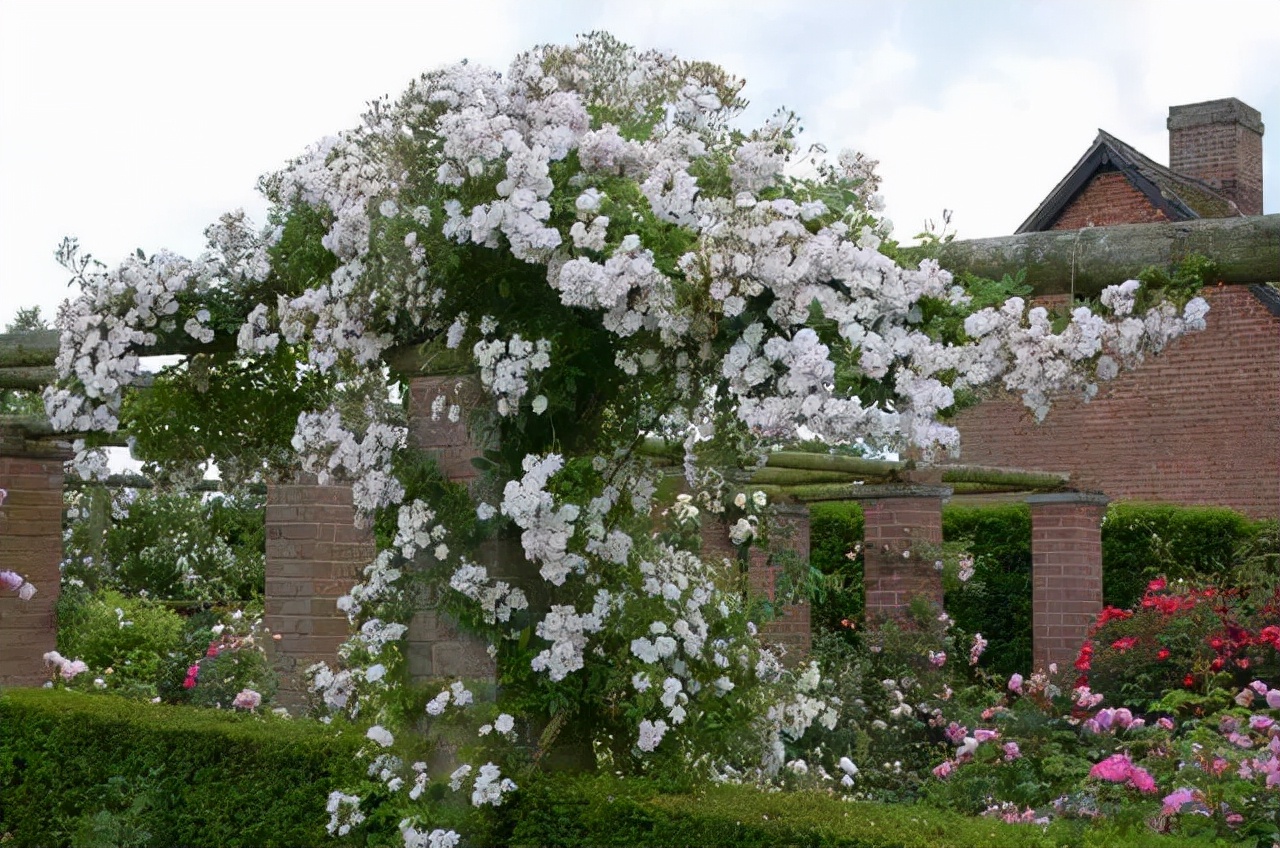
<point>1066,573</point>
<point>788,531</point>
<point>449,441</point>
<point>903,541</point>
<point>315,554</point>
<point>437,647</point>
<point>30,544</point>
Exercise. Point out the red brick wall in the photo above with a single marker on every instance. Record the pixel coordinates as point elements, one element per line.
<point>789,531</point>
<point>30,544</point>
<point>1198,424</point>
<point>437,646</point>
<point>902,541</point>
<point>1066,574</point>
<point>449,441</point>
<point>314,555</point>
<point>1108,199</point>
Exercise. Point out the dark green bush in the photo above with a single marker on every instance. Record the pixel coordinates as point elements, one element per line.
<point>996,601</point>
<point>585,812</point>
<point>835,530</point>
<point>96,769</point>
<point>1139,542</point>
<point>1142,541</point>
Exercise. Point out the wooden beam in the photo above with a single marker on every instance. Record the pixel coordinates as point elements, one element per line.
<point>28,377</point>
<point>1246,250</point>
<point>40,347</point>
<point>34,348</point>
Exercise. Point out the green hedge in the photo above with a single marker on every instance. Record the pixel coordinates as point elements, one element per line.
<point>83,770</point>
<point>582,812</point>
<point>835,527</point>
<point>1139,541</point>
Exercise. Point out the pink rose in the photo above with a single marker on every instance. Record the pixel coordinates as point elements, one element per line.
<point>247,700</point>
<point>1141,780</point>
<point>1114,769</point>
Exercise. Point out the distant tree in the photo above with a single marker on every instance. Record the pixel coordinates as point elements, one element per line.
<point>17,401</point>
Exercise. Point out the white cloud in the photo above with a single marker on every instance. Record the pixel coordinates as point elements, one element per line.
<point>135,124</point>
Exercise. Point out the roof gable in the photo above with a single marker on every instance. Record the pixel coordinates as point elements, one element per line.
<point>1179,198</point>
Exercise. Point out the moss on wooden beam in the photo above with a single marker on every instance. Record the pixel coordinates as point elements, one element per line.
<point>854,465</point>
<point>29,377</point>
<point>1004,478</point>
<point>799,476</point>
<point>1246,250</point>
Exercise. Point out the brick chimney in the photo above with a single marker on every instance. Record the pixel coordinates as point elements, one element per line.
<point>1220,143</point>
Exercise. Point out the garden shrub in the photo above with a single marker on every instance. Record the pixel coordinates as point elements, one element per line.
<point>134,637</point>
<point>610,812</point>
<point>996,600</point>
<point>835,535</point>
<point>97,769</point>
<point>172,545</point>
<point>1189,638</point>
<point>1143,541</point>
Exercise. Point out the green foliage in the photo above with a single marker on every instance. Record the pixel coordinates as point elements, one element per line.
<point>584,812</point>
<point>98,770</point>
<point>1180,283</point>
<point>172,545</point>
<point>1143,541</point>
<point>132,636</point>
<point>237,413</point>
<point>18,401</point>
<point>835,539</point>
<point>996,601</point>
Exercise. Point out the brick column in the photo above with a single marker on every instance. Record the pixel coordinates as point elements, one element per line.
<point>315,554</point>
<point>437,646</point>
<point>448,441</point>
<point>30,544</point>
<point>1066,573</point>
<point>788,531</point>
<point>903,541</point>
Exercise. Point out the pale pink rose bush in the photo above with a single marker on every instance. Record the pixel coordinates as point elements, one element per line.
<point>594,198</point>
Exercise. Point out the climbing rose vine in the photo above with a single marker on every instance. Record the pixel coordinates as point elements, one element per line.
<point>594,238</point>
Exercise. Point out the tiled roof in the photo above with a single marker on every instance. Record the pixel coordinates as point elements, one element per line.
<point>1179,198</point>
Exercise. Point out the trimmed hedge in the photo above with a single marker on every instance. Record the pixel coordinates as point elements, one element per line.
<point>997,601</point>
<point>96,769</point>
<point>1139,541</point>
<point>583,812</point>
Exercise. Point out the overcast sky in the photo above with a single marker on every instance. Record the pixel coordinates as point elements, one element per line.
<point>136,124</point>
